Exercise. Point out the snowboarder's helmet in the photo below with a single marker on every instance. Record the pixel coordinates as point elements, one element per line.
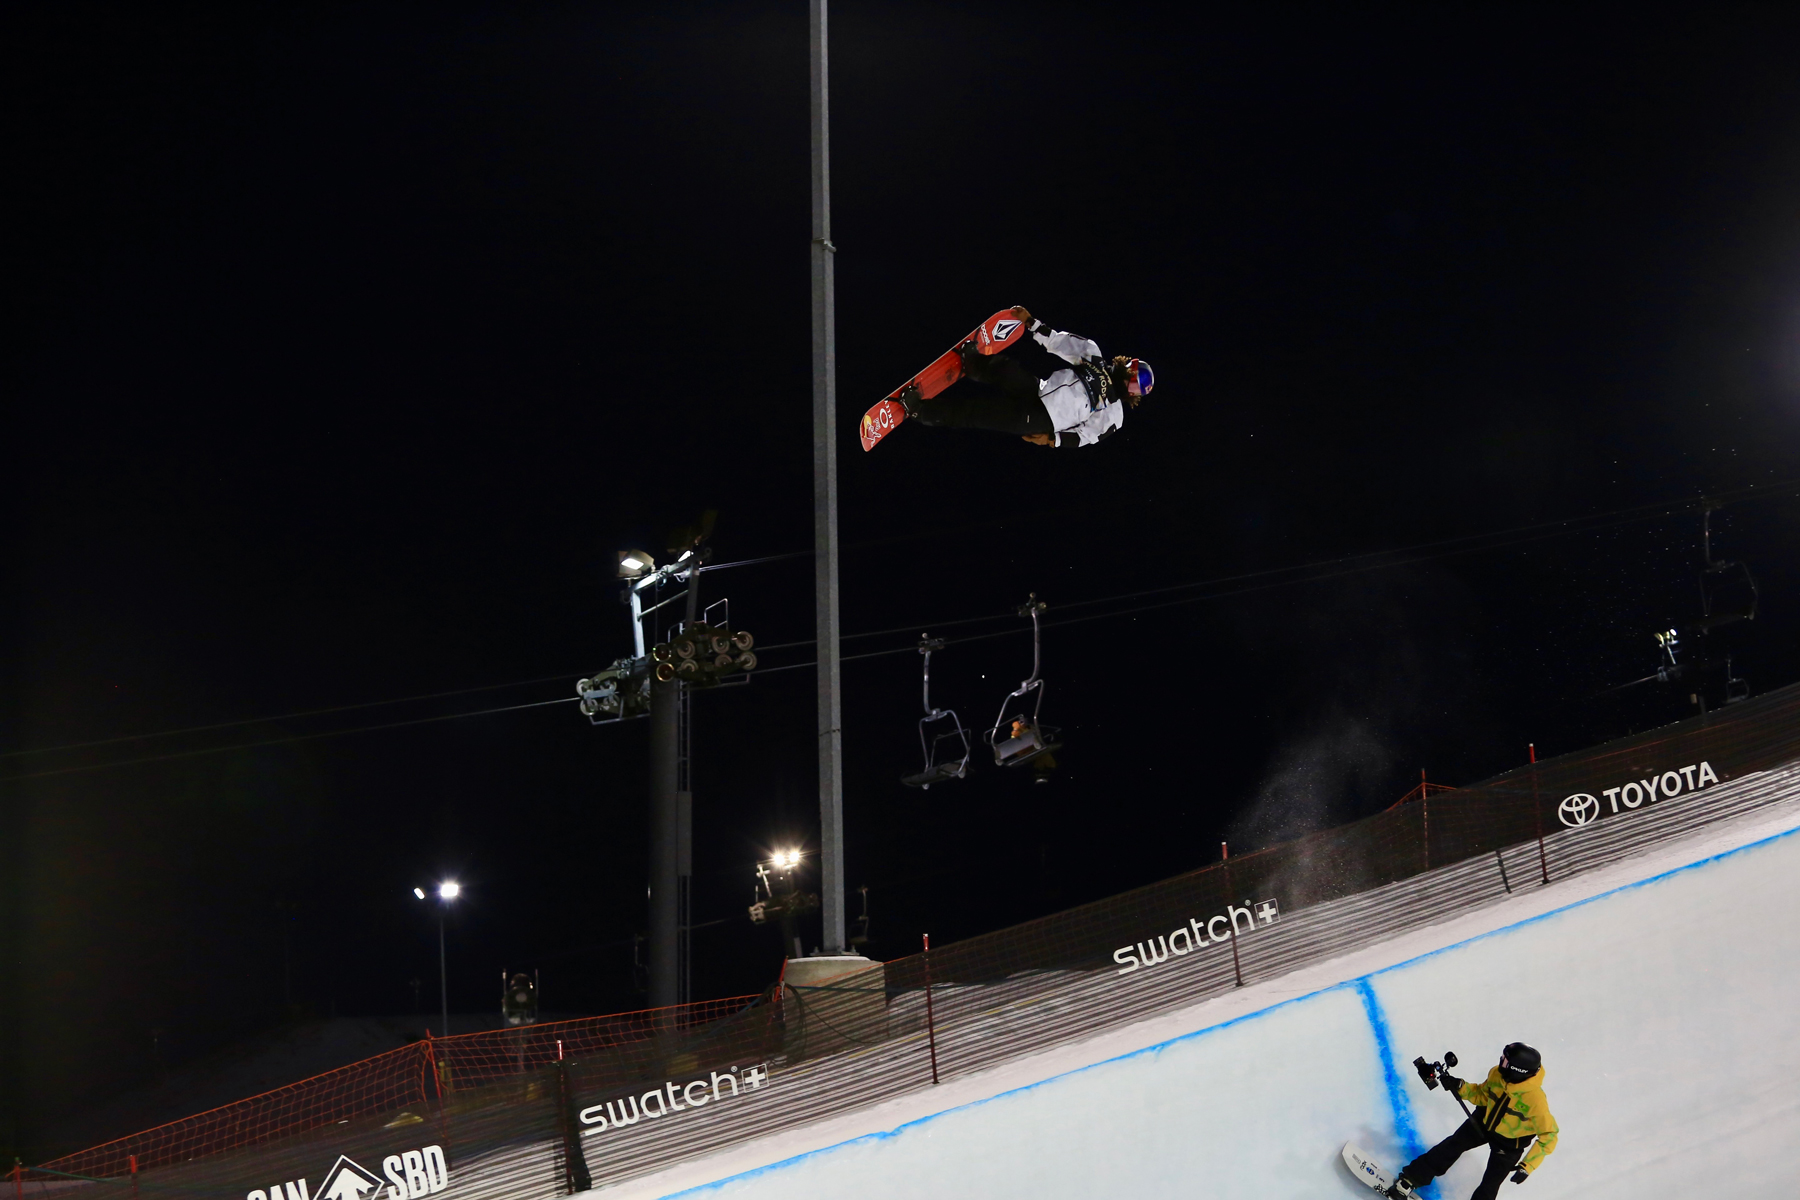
<point>1139,377</point>
<point>1519,1062</point>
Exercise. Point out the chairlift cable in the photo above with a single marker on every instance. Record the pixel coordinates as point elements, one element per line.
<point>299,737</point>
<point>1549,530</point>
<point>293,716</point>
<point>1539,531</point>
<point>1348,570</point>
<point>1170,603</point>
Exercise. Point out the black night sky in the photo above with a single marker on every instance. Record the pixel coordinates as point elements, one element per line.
<point>350,343</point>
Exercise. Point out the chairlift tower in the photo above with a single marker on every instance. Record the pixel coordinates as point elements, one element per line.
<point>658,682</point>
<point>1729,595</point>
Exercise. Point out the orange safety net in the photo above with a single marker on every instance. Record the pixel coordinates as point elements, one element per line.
<point>545,1085</point>
<point>417,1076</point>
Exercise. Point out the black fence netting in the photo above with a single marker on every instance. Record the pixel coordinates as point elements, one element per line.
<point>505,1113</point>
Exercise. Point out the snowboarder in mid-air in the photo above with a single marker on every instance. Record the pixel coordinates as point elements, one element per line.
<point>1017,375</point>
<point>1511,1118</point>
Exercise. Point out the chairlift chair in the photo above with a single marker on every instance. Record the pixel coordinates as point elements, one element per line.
<point>1736,688</point>
<point>939,765</point>
<point>1020,739</point>
<point>1728,592</point>
<point>1728,595</point>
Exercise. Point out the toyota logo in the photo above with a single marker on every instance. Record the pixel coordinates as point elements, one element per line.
<point>1578,809</point>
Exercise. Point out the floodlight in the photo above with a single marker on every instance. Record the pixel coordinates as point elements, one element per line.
<point>633,563</point>
<point>449,891</point>
<point>419,892</point>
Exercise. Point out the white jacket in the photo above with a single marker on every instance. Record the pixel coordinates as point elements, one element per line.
<point>1066,397</point>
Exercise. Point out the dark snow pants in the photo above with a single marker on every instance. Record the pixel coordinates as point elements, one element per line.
<point>1503,1157</point>
<point>995,393</point>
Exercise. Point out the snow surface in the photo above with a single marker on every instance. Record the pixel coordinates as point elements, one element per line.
<point>1664,992</point>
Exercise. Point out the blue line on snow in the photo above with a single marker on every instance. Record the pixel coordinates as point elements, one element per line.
<point>883,1135</point>
<point>1405,1129</point>
<point>1404,1126</point>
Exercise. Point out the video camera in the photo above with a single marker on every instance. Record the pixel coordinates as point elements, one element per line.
<point>1429,1072</point>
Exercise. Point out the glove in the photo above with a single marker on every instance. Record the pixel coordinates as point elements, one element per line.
<point>1519,1177</point>
<point>1451,1084</point>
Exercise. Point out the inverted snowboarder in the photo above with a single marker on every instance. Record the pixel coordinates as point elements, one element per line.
<point>1511,1118</point>
<point>1048,387</point>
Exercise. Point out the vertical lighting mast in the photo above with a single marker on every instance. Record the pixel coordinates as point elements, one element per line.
<point>825,530</point>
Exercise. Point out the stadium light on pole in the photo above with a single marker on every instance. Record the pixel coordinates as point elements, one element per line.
<point>446,892</point>
<point>633,563</point>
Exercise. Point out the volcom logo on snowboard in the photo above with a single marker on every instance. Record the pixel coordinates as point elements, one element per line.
<point>1004,329</point>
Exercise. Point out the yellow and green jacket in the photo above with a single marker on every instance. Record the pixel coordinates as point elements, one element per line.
<point>1514,1110</point>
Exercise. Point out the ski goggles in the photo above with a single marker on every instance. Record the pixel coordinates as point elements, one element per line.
<point>1139,377</point>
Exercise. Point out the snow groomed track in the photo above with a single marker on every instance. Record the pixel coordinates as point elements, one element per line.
<point>1656,973</point>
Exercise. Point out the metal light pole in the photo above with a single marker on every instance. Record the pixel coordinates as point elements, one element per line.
<point>446,892</point>
<point>443,974</point>
<point>825,530</point>
<point>665,916</point>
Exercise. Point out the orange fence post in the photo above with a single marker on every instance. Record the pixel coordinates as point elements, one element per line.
<point>779,1009</point>
<point>576,1177</point>
<point>134,1187</point>
<point>1425,817</point>
<point>1237,966</point>
<point>437,1081</point>
<point>930,1023</point>
<point>1537,815</point>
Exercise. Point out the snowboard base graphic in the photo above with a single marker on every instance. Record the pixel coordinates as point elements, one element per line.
<point>1364,1166</point>
<point>990,337</point>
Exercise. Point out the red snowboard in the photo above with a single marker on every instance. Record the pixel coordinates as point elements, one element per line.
<point>990,337</point>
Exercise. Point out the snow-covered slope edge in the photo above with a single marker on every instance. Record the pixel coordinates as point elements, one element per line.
<point>1250,1093</point>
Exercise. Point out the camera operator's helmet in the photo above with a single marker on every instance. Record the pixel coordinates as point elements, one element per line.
<point>1519,1062</point>
<point>1139,378</point>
